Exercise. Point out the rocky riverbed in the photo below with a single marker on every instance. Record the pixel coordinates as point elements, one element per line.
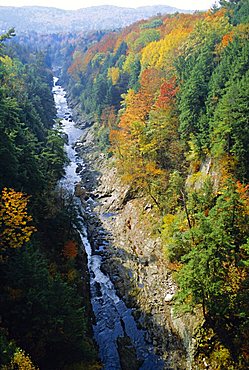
<point>120,230</point>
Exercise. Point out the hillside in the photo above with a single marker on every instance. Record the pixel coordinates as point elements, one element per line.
<point>169,98</point>
<point>39,278</point>
<point>161,173</point>
<point>52,20</point>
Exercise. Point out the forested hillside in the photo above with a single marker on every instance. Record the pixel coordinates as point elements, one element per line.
<point>45,320</point>
<point>169,101</point>
<point>46,20</point>
<point>170,96</point>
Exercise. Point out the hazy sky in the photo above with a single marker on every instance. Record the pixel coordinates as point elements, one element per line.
<point>76,4</point>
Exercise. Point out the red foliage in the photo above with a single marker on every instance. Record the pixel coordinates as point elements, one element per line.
<point>168,93</point>
<point>70,249</point>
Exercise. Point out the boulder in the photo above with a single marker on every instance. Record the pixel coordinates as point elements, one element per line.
<point>79,191</point>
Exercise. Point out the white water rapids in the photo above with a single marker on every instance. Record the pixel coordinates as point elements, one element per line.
<point>113,318</point>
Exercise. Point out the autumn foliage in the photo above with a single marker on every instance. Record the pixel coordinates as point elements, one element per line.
<point>70,249</point>
<point>20,361</point>
<point>177,90</point>
<point>15,228</point>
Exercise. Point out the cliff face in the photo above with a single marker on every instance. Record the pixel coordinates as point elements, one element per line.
<point>169,96</point>
<point>134,261</point>
<point>120,228</point>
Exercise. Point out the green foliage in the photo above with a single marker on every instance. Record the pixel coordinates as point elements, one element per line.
<point>155,23</point>
<point>7,348</point>
<point>146,36</point>
<point>238,10</point>
<point>196,70</point>
<point>42,309</point>
<point>52,316</point>
<point>26,113</point>
<point>214,273</point>
<point>53,156</point>
<point>10,33</point>
<point>231,125</point>
<point>178,87</point>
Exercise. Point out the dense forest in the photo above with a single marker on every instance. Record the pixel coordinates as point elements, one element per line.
<point>171,99</point>
<point>45,317</point>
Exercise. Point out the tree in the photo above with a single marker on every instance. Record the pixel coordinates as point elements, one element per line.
<point>20,359</point>
<point>215,266</point>
<point>52,328</point>
<point>231,126</point>
<point>15,228</point>
<point>10,33</point>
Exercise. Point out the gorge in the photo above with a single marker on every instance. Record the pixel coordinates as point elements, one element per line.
<point>124,209</point>
<point>113,320</point>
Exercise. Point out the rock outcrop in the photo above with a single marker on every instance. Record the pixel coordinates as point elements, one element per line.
<point>122,229</point>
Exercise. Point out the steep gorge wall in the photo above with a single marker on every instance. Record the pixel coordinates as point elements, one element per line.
<point>121,228</point>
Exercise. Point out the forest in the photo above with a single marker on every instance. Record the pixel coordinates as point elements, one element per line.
<point>169,98</point>
<point>45,317</point>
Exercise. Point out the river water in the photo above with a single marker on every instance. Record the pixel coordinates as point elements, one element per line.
<point>113,318</point>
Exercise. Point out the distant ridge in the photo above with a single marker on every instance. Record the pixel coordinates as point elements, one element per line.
<point>53,20</point>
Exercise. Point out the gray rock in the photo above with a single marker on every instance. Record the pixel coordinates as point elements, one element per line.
<point>79,191</point>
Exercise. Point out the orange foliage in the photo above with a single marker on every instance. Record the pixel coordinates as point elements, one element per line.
<point>243,191</point>
<point>76,66</point>
<point>129,34</point>
<point>185,22</point>
<point>128,135</point>
<point>150,80</point>
<point>70,249</point>
<point>227,38</point>
<point>107,43</point>
<point>168,92</point>
<point>116,138</point>
<point>137,107</point>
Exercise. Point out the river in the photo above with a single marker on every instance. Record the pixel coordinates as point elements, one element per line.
<point>113,319</point>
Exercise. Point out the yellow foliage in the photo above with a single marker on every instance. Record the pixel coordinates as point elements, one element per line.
<point>129,61</point>
<point>159,54</point>
<point>14,219</point>
<point>72,275</point>
<point>213,24</point>
<point>221,359</point>
<point>168,221</point>
<point>172,225</point>
<point>235,277</point>
<point>9,67</point>
<point>20,361</point>
<point>113,74</point>
<point>23,361</point>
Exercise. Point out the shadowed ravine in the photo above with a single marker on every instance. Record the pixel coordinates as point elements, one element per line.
<point>113,320</point>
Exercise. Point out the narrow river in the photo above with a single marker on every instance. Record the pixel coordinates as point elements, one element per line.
<point>113,319</point>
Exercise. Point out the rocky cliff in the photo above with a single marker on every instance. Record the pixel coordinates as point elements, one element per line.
<point>122,227</point>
